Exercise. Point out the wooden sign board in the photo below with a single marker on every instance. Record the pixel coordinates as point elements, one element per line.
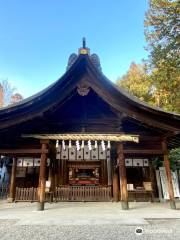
<point>128,162</point>
<point>94,153</point>
<point>64,153</point>
<point>72,153</point>
<point>137,162</point>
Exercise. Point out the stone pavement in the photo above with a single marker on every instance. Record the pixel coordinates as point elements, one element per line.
<point>79,220</point>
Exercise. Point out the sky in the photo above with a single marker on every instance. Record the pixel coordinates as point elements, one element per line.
<point>37,37</point>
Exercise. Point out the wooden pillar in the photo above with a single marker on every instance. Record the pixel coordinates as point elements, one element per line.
<point>60,172</point>
<point>122,177</point>
<point>13,181</point>
<point>51,176</point>
<point>109,172</point>
<point>168,174</point>
<point>52,166</point>
<point>115,185</point>
<point>42,176</point>
<point>153,179</point>
<point>65,171</point>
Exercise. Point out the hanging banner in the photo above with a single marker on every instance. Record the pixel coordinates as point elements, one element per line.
<point>163,178</point>
<point>164,184</point>
<point>175,184</point>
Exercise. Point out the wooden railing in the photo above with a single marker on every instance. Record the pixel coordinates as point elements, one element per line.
<point>26,195</point>
<point>83,193</point>
<point>3,192</point>
<point>69,193</point>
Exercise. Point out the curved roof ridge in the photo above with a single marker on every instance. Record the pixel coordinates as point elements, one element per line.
<point>121,91</point>
<point>132,97</point>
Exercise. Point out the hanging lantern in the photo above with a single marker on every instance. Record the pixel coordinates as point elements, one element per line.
<point>82,144</point>
<point>57,143</point>
<point>109,145</point>
<point>70,145</point>
<point>89,145</point>
<point>77,145</point>
<point>63,145</point>
<point>103,145</point>
<point>95,144</point>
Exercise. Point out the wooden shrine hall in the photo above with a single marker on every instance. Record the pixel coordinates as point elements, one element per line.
<point>84,139</point>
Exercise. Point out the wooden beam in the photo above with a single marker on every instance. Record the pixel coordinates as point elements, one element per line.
<point>13,181</point>
<point>21,151</point>
<point>168,173</point>
<point>122,177</point>
<point>143,151</point>
<point>42,178</point>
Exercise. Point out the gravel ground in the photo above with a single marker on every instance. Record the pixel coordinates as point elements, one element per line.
<point>89,221</point>
<point>156,229</point>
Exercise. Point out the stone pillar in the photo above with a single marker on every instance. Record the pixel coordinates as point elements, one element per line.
<point>42,176</point>
<point>122,177</point>
<point>12,191</point>
<point>168,174</point>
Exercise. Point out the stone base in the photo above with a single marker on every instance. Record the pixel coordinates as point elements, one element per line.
<point>172,204</point>
<point>40,206</point>
<point>125,205</point>
<point>10,200</point>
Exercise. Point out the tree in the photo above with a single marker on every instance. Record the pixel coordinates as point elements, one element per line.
<point>7,94</point>
<point>16,98</point>
<point>137,82</point>
<point>162,34</point>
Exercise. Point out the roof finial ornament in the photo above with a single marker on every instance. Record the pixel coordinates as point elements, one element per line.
<point>84,42</point>
<point>84,49</point>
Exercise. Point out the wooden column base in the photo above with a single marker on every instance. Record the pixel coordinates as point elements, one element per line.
<point>125,205</point>
<point>172,204</point>
<point>10,200</point>
<point>116,197</point>
<point>40,206</point>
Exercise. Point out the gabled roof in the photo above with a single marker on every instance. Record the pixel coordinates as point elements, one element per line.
<point>83,67</point>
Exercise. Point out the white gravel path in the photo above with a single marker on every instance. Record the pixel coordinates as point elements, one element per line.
<point>76,221</point>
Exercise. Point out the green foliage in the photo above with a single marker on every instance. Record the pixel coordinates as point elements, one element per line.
<point>137,82</point>
<point>162,34</point>
<point>158,162</point>
<point>158,82</point>
<point>162,31</point>
<point>174,154</point>
<point>174,157</point>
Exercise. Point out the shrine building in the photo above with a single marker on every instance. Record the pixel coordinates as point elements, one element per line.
<point>85,139</point>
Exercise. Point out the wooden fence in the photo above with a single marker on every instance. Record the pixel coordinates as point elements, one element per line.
<point>69,193</point>
<point>26,195</point>
<point>83,193</point>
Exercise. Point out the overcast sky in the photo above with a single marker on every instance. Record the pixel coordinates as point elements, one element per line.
<point>37,37</point>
